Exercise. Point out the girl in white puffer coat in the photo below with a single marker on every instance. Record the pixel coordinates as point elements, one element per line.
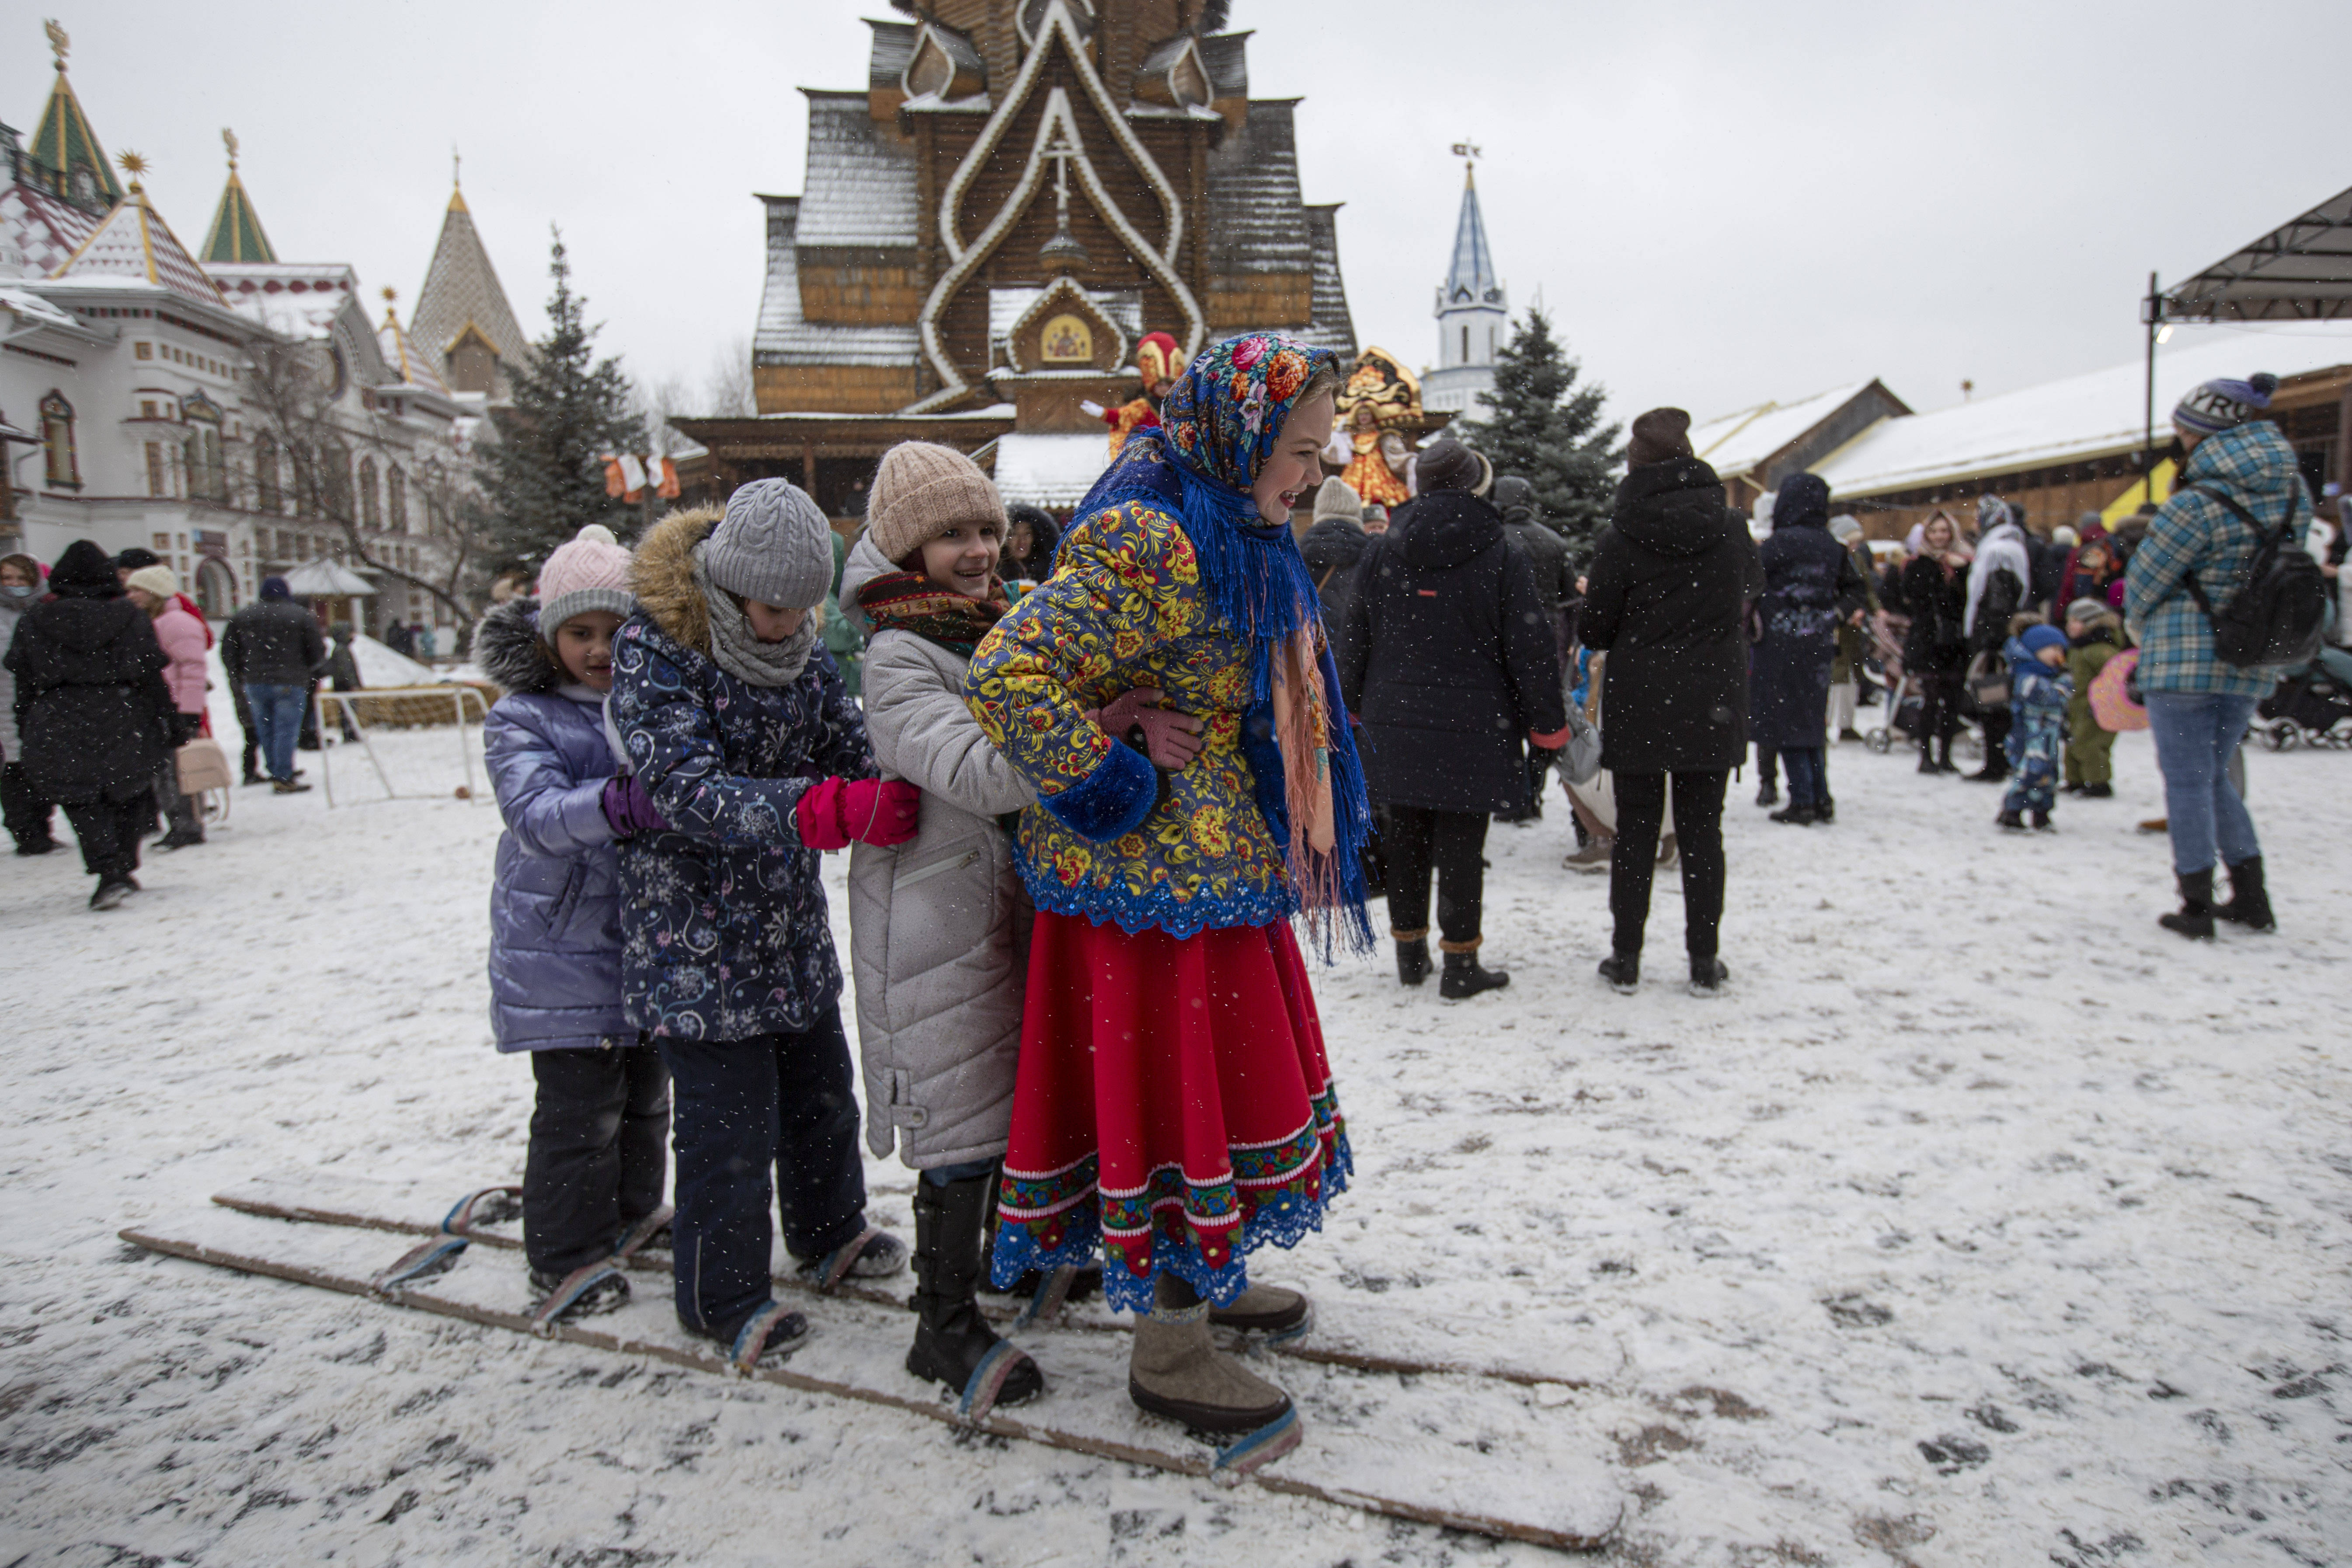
<point>939,925</point>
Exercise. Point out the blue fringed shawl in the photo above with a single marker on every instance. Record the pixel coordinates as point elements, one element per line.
<point>1258,584</point>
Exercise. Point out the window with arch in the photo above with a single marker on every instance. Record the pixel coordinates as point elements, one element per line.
<point>396,498</point>
<point>206,478</point>
<point>371,512</point>
<point>1465,345</point>
<point>335,480</point>
<point>266,496</point>
<point>60,460</point>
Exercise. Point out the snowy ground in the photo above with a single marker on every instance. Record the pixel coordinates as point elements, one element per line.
<point>1981,1222</point>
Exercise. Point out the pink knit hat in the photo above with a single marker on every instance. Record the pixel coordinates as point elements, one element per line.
<point>591,573</point>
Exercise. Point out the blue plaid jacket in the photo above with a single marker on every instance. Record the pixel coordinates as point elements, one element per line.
<point>2253,466</point>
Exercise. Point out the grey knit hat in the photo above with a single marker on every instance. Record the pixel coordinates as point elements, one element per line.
<point>773,546</point>
<point>1336,497</point>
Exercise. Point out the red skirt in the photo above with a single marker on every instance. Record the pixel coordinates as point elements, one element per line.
<point>1173,1107</point>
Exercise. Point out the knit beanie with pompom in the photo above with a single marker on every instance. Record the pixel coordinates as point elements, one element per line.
<point>2223,405</point>
<point>920,491</point>
<point>590,573</point>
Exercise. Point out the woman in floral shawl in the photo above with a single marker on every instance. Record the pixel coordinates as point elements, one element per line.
<point>1174,1106</point>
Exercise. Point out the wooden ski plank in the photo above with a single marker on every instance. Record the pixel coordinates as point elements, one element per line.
<point>1524,1488</point>
<point>413,1208</point>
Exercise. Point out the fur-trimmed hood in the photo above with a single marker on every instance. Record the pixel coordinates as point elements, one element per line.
<point>661,576</point>
<point>508,649</point>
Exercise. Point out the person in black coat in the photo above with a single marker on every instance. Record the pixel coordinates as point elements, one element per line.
<point>1547,553</point>
<point>273,652</point>
<point>1333,546</point>
<point>1811,588</point>
<point>1447,657</point>
<point>1666,598</point>
<point>1936,650</point>
<point>93,713</point>
<point>1030,540</point>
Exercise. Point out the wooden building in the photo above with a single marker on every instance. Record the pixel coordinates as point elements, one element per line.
<point>1021,189</point>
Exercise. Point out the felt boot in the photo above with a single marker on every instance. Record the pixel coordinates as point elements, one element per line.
<point>2194,917</point>
<point>1264,1309</point>
<point>952,1338</point>
<point>1176,1369</point>
<point>2250,902</point>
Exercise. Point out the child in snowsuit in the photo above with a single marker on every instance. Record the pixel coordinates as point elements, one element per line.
<point>2038,692</point>
<point>2097,635</point>
<point>735,719</point>
<point>592,1179</point>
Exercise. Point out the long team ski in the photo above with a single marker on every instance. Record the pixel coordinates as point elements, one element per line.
<point>1458,1451</point>
<point>1341,1339</point>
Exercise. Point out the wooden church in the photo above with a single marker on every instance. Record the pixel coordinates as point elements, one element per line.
<point>1021,190</point>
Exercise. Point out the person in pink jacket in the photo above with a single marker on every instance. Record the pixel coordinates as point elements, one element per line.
<point>184,637</point>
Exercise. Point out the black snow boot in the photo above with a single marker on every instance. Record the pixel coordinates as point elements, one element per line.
<point>952,1338</point>
<point>1708,975</point>
<point>2194,917</point>
<point>1797,815</point>
<point>2042,823</point>
<point>2098,792</point>
<point>1412,960</point>
<point>2009,820</point>
<point>1623,973</point>
<point>2250,902</point>
<point>1463,977</point>
<point>1826,812</point>
<point>1768,794</point>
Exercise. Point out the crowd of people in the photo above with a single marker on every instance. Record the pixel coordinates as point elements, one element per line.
<point>1096,782</point>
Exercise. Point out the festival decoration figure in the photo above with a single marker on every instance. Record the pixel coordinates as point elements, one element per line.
<point>1378,405</point>
<point>1155,362</point>
<point>1174,1106</point>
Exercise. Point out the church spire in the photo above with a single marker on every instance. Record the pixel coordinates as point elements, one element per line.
<point>1473,310</point>
<point>64,140</point>
<point>1472,279</point>
<point>237,233</point>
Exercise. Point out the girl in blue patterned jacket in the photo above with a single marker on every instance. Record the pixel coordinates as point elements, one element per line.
<point>735,721</point>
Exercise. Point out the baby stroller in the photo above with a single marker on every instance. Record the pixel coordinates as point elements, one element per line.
<point>2310,705</point>
<point>1904,706</point>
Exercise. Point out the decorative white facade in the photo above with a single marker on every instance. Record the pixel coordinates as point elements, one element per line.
<point>134,409</point>
<point>1474,315</point>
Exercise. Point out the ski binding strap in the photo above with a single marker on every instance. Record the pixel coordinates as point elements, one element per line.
<point>643,1231</point>
<point>835,1268</point>
<point>988,1381</point>
<point>1052,1291</point>
<point>752,1337</point>
<point>491,1205</point>
<point>1263,1446</point>
<point>559,1300</point>
<point>420,1262</point>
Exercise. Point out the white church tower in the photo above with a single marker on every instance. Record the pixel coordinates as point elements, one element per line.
<point>1473,311</point>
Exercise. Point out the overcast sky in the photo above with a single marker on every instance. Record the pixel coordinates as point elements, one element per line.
<point>1719,202</point>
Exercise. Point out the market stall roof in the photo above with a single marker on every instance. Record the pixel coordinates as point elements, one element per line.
<point>2300,271</point>
<point>1054,471</point>
<point>325,579</point>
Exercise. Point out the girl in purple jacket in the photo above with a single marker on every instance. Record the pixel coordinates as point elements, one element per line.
<point>594,1177</point>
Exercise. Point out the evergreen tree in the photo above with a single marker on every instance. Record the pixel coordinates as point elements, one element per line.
<point>544,476</point>
<point>1544,428</point>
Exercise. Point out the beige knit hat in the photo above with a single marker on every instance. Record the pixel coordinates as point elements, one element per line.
<point>920,492</point>
<point>159,581</point>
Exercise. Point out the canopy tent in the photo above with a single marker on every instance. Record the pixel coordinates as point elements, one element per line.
<point>2300,271</point>
<point>326,580</point>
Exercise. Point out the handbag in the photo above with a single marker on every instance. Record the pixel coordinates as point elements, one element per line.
<point>1988,682</point>
<point>1580,760</point>
<point>202,765</point>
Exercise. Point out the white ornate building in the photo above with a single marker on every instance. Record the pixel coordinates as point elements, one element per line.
<point>1474,314</point>
<point>135,408</point>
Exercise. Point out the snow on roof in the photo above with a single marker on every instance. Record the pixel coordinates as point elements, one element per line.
<point>30,308</point>
<point>1742,442</point>
<point>44,228</point>
<point>1054,471</point>
<point>299,298</point>
<point>2082,416</point>
<point>785,337</point>
<point>1007,306</point>
<point>860,188</point>
<point>133,241</point>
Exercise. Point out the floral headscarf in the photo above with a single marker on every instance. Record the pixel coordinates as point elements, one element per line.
<point>1217,426</point>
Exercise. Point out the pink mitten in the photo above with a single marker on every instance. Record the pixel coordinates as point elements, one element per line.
<point>873,810</point>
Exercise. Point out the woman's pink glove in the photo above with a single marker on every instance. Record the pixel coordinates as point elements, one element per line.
<point>1169,738</point>
<point>880,812</point>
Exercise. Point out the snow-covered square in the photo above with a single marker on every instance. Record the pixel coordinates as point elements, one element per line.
<point>1978,1221</point>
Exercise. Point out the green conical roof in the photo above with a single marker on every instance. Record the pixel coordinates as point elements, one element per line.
<point>237,233</point>
<point>64,140</point>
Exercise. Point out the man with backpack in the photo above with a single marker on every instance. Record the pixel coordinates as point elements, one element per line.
<point>2216,596</point>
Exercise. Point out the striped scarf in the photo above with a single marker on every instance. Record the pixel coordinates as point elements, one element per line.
<point>911,601</point>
